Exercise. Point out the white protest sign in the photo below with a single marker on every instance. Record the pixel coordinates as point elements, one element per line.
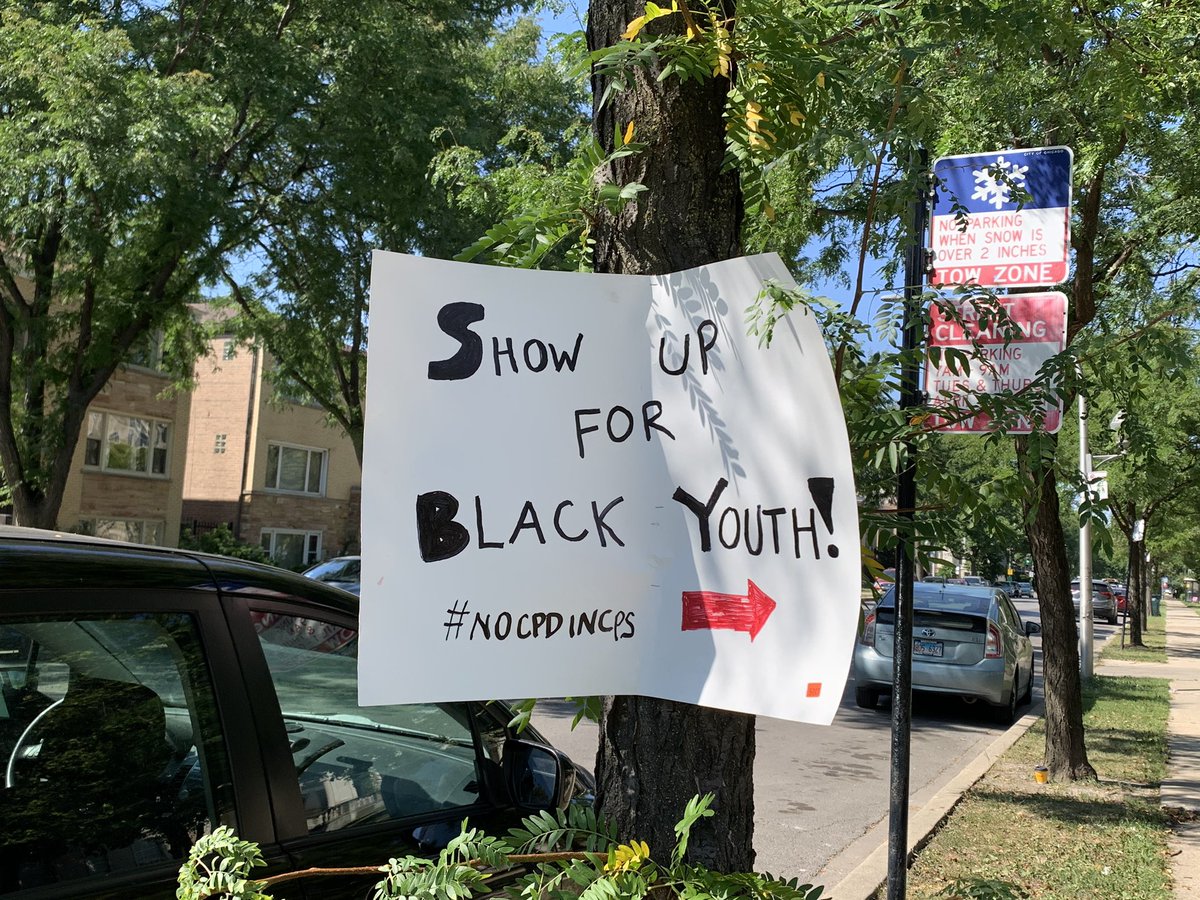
<point>1042,319</point>
<point>599,484</point>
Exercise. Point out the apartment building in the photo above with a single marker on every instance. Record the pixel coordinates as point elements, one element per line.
<point>266,462</point>
<point>126,480</point>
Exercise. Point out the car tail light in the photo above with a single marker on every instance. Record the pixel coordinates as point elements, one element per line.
<point>992,649</point>
<point>868,633</point>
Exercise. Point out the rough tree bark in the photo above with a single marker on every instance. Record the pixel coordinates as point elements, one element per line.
<point>654,755</point>
<point>1066,754</point>
<point>1134,593</point>
<point>1125,515</point>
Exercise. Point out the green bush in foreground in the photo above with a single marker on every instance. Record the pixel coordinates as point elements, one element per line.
<point>220,864</point>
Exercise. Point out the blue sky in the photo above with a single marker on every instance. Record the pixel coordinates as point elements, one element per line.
<point>565,16</point>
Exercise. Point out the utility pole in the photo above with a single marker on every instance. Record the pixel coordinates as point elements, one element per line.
<point>906,502</point>
<point>1085,550</point>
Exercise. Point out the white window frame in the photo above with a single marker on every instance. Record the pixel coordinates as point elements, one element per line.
<point>102,466</point>
<point>285,445</point>
<point>267,541</point>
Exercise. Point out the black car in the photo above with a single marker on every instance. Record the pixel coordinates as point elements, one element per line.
<point>149,695</point>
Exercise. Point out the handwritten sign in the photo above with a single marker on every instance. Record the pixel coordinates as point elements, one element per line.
<point>1042,319</point>
<point>599,484</point>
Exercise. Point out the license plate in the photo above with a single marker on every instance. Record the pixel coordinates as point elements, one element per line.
<point>927,648</point>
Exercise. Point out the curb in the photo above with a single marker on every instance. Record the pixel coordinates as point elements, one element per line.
<point>923,822</point>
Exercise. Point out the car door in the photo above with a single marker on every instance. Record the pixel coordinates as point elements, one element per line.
<point>354,786</point>
<point>1022,646</point>
<point>119,717</point>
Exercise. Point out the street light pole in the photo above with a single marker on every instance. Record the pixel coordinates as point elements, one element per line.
<point>1085,551</point>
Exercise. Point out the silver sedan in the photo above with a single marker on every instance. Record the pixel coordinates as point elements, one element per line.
<point>968,641</point>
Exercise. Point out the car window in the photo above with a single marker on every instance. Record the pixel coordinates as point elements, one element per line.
<point>945,598</point>
<point>336,570</point>
<point>110,745</point>
<point>1010,612</point>
<point>361,765</point>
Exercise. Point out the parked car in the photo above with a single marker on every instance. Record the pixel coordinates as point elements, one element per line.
<point>1027,589</point>
<point>149,695</point>
<point>1009,587</point>
<point>968,641</point>
<point>974,581</point>
<point>1122,595</point>
<point>1104,601</point>
<point>341,571</point>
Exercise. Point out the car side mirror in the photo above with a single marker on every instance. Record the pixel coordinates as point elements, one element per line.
<point>537,777</point>
<point>1032,628</point>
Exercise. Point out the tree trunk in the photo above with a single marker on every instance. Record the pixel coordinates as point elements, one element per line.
<point>1133,594</point>
<point>654,755</point>
<point>36,509</point>
<point>47,458</point>
<point>1066,754</point>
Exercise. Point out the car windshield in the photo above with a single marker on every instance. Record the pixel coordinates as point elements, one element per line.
<point>335,570</point>
<point>948,599</point>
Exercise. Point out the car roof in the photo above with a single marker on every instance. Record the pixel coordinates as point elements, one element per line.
<point>35,559</point>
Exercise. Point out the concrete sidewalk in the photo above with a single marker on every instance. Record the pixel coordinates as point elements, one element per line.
<point>1181,789</point>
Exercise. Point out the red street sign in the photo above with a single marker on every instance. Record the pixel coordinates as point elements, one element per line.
<point>1042,319</point>
<point>709,610</point>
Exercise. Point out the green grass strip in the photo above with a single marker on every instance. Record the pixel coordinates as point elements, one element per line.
<point>1154,636</point>
<point>1011,837</point>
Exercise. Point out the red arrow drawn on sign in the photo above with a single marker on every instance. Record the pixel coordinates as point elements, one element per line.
<point>708,610</point>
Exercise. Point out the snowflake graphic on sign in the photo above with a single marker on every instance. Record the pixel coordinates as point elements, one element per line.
<point>994,184</point>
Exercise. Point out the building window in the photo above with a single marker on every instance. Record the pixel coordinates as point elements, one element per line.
<point>117,443</point>
<point>287,390</point>
<point>299,469</point>
<point>219,443</point>
<point>147,352</point>
<point>133,531</point>
<point>229,351</point>
<point>292,549</point>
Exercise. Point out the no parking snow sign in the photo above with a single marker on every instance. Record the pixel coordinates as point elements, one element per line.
<point>1002,219</point>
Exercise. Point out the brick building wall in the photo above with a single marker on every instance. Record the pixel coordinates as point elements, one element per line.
<point>226,384</point>
<point>95,495</point>
<point>235,423</point>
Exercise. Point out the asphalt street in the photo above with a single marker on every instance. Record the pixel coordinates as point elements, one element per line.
<point>819,790</point>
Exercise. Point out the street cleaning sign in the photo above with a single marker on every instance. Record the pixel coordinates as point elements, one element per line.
<point>997,367</point>
<point>1002,219</point>
<point>600,484</point>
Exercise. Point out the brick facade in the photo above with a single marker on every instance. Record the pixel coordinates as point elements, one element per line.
<point>234,423</point>
<point>94,494</point>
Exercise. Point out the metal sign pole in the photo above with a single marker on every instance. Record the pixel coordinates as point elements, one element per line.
<point>1085,550</point>
<point>906,501</point>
